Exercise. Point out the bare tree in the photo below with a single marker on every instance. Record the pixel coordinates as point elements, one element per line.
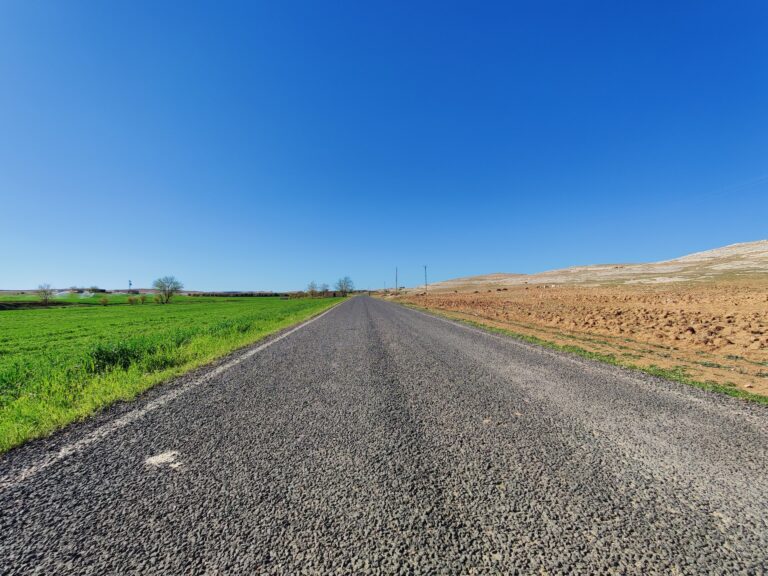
<point>166,287</point>
<point>324,288</point>
<point>312,288</point>
<point>45,293</point>
<point>345,285</point>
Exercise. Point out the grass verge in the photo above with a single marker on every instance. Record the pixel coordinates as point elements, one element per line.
<point>677,374</point>
<point>100,357</point>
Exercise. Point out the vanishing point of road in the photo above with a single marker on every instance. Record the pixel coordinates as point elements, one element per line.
<point>378,439</point>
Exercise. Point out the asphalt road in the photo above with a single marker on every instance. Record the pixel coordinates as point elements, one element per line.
<point>380,439</point>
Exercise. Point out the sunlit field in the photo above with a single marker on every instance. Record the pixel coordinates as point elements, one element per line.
<point>61,363</point>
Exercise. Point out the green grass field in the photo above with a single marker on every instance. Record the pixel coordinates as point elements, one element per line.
<point>60,364</point>
<point>95,299</point>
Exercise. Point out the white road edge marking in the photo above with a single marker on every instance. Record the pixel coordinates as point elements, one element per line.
<point>164,459</point>
<point>102,432</point>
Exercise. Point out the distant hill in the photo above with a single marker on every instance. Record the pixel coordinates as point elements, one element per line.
<point>729,262</point>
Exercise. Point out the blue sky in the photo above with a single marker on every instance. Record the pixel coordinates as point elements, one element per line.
<point>262,145</point>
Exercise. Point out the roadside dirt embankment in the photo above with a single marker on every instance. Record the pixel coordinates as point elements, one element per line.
<point>713,331</point>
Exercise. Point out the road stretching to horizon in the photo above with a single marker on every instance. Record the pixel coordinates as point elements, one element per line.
<point>378,439</point>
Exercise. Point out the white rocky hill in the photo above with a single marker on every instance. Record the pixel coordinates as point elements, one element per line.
<point>736,260</point>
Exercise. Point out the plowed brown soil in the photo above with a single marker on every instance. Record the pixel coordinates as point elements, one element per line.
<point>714,331</point>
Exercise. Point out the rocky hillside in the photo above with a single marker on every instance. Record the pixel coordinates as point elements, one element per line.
<point>729,262</point>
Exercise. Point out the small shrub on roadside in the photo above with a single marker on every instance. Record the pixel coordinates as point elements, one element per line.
<point>45,293</point>
<point>103,300</point>
<point>131,300</point>
<point>143,298</point>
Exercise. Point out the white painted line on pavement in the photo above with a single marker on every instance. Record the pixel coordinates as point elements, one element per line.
<point>164,459</point>
<point>105,430</point>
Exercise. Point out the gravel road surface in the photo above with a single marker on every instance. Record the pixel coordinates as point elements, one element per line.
<point>378,439</point>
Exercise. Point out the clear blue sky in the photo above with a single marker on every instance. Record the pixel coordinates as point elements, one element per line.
<point>262,145</point>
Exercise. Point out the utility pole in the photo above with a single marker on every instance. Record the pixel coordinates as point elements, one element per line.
<point>425,279</point>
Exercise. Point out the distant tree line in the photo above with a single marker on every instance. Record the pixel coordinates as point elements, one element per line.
<point>343,287</point>
<point>167,287</point>
<point>234,294</point>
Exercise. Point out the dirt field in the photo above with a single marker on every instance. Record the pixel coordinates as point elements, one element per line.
<point>711,331</point>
